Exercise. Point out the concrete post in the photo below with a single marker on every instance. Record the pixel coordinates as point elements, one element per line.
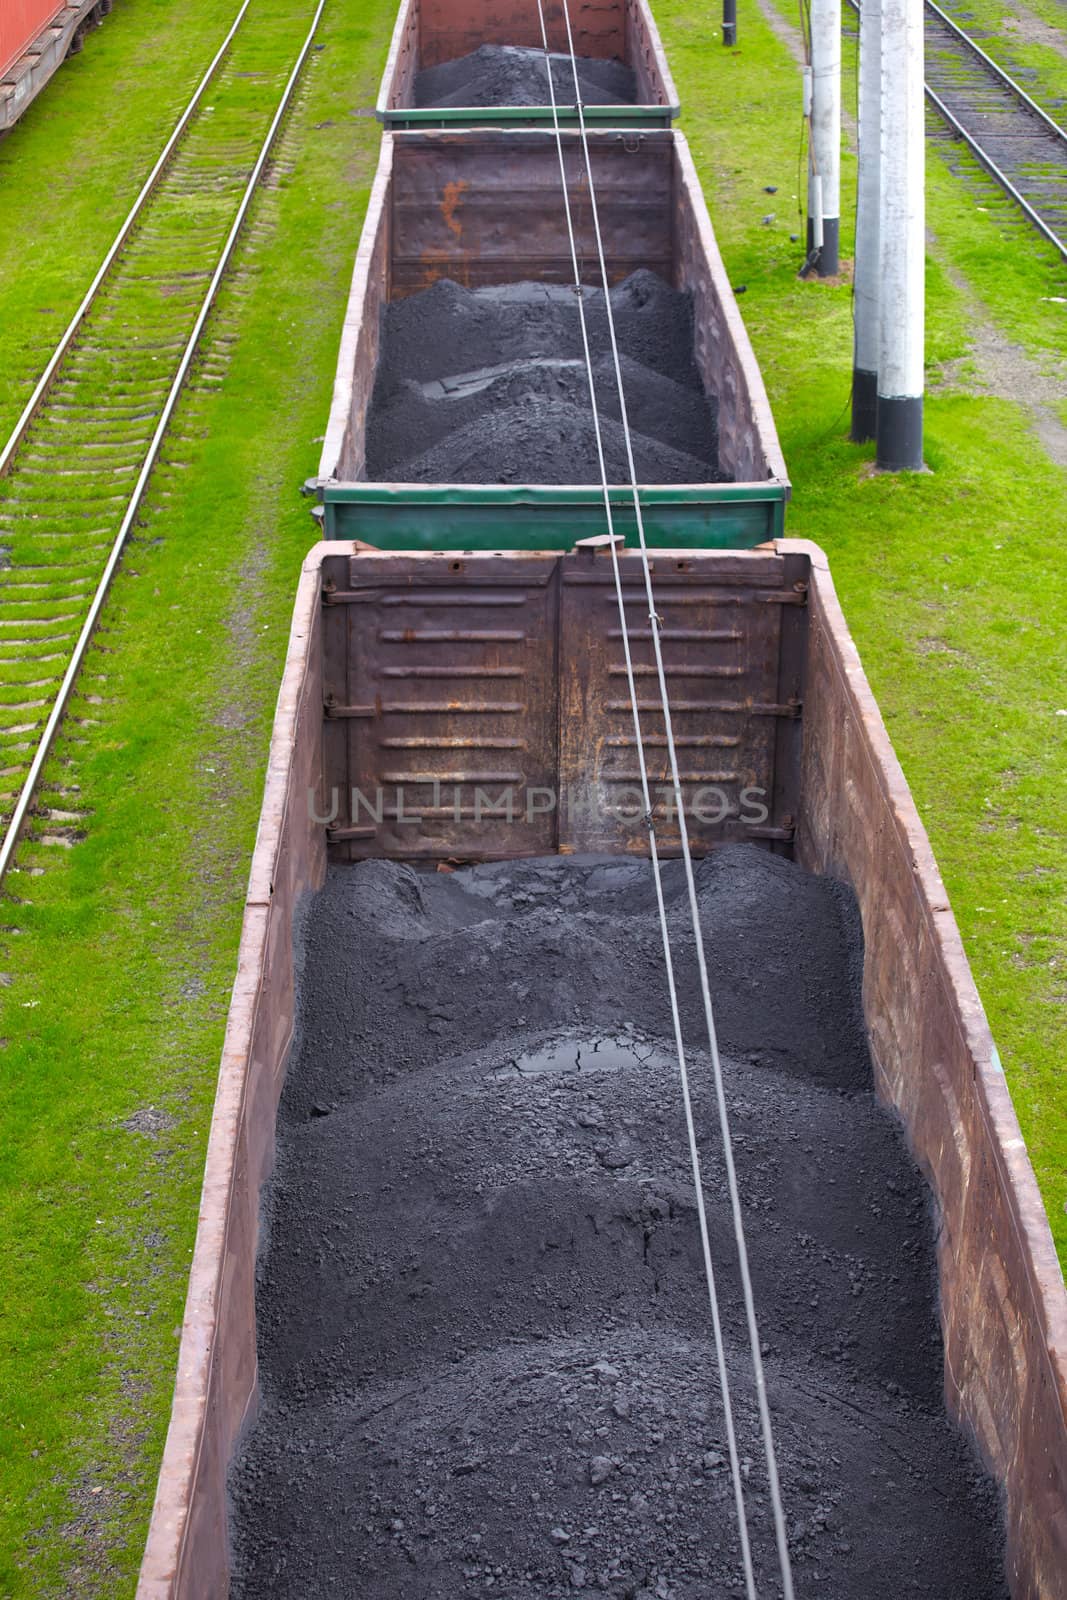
<point>868,266</point>
<point>824,157</point>
<point>902,239</point>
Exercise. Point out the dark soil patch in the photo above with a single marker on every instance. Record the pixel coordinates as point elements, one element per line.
<point>514,75</point>
<point>490,386</point>
<point>484,1336</point>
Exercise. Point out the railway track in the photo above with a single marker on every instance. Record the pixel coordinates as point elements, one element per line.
<point>78,463</point>
<point>1018,143</point>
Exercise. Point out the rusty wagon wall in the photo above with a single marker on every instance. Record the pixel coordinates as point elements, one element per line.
<point>344,446</point>
<point>451,28</point>
<point>476,705</point>
<point>215,1388</point>
<point>486,208</point>
<point>429,32</point>
<point>1004,1307</point>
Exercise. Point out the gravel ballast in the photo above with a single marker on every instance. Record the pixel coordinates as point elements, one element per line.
<point>484,1337</point>
<point>515,75</point>
<point>490,385</point>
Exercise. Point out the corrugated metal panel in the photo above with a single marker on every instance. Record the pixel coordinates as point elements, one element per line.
<point>445,683</point>
<point>720,637</point>
<point>477,705</point>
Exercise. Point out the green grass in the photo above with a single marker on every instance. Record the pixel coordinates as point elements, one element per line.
<point>1040,67</point>
<point>90,141</point>
<point>953,582</point>
<point>122,952</point>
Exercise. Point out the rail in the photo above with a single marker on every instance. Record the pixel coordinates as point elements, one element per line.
<point>1026,109</point>
<point>132,218</point>
<point>133,503</point>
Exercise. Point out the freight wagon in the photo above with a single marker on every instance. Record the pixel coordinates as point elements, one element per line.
<point>430,34</point>
<point>36,37</point>
<point>483,208</point>
<point>394,671</point>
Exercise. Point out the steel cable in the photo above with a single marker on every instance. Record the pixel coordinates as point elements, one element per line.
<point>774,1485</point>
<point>694,1153</point>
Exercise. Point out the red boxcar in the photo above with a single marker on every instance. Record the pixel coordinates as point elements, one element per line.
<point>20,23</point>
<point>59,26</point>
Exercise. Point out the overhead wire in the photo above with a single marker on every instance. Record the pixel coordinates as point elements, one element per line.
<point>694,1152</point>
<point>774,1486</point>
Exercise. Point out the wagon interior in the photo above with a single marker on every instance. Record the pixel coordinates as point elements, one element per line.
<point>616,41</point>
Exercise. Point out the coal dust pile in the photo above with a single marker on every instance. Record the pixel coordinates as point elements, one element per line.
<point>485,1349</point>
<point>513,75</point>
<point>490,386</point>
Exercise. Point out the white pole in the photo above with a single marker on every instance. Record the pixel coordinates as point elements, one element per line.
<point>868,268</point>
<point>825,154</point>
<point>903,244</point>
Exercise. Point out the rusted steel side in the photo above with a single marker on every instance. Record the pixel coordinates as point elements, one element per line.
<point>625,27</point>
<point>646,55</point>
<point>485,706</point>
<point>450,705</point>
<point>487,207</point>
<point>721,633</point>
<point>748,439</point>
<point>186,1554</point>
<point>402,62</point>
<point>1003,1304</point>
<point>344,445</point>
<point>452,28</point>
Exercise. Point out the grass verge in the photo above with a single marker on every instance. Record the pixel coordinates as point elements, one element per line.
<point>952,582</point>
<point>119,956</point>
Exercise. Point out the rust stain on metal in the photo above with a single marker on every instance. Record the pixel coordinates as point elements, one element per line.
<point>454,192</point>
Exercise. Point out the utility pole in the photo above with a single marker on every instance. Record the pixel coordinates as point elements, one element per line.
<point>729,22</point>
<point>868,266</point>
<point>902,239</point>
<point>824,155</point>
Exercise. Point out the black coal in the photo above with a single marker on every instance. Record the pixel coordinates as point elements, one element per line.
<point>484,1334</point>
<point>512,75</point>
<point>490,386</point>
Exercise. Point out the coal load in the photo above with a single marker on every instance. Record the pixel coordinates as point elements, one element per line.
<point>484,1341</point>
<point>513,75</point>
<point>490,385</point>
